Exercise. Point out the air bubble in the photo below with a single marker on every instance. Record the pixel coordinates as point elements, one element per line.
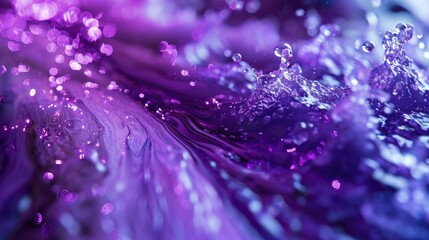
<point>236,57</point>
<point>368,46</point>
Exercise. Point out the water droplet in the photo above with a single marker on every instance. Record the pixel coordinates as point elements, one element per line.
<point>376,3</point>
<point>53,71</point>
<point>107,208</point>
<point>13,46</point>
<point>329,30</point>
<point>94,33</point>
<point>419,33</point>
<point>38,218</point>
<point>253,6</point>
<point>59,58</point>
<point>3,69</point>
<point>296,69</point>
<point>109,30</point>
<point>300,12</point>
<point>368,46</point>
<point>48,176</point>
<point>32,92</point>
<point>401,27</point>
<point>184,73</point>
<point>51,47</point>
<point>406,32</point>
<point>336,184</point>
<point>71,15</point>
<point>26,37</point>
<point>62,41</point>
<point>278,50</point>
<point>236,57</point>
<point>106,49</point>
<point>44,10</point>
<point>236,5</point>
<point>92,22</point>
<point>23,68</point>
<point>227,53</point>
<point>284,51</point>
<point>74,65</point>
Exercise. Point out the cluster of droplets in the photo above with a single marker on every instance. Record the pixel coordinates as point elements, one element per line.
<point>393,44</point>
<point>251,6</point>
<point>285,89</point>
<point>398,76</point>
<point>285,53</point>
<point>69,49</point>
<point>169,52</point>
<point>238,77</point>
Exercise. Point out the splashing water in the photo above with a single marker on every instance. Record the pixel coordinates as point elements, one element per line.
<point>112,131</point>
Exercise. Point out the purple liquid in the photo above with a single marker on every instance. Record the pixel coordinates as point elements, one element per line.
<point>165,120</point>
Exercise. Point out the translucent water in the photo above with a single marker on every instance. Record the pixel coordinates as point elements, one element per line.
<point>112,131</point>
